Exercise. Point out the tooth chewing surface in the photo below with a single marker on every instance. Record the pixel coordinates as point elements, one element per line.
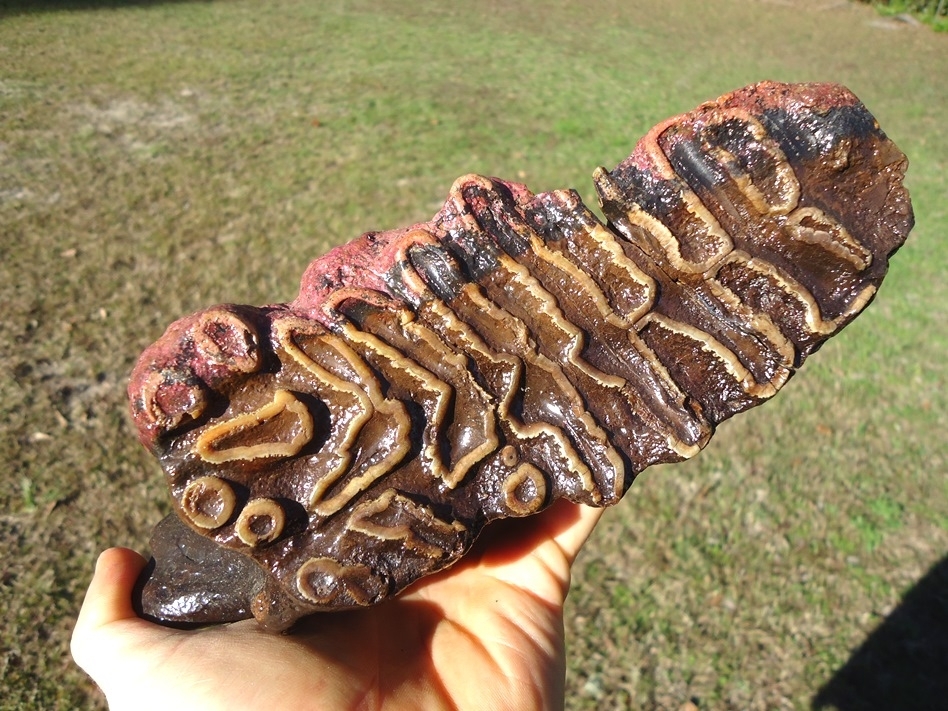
<point>326,453</point>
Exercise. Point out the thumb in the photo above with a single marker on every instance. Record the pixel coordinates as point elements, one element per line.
<point>108,600</point>
<point>109,597</point>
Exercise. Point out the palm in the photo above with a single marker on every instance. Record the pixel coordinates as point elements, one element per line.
<point>486,634</point>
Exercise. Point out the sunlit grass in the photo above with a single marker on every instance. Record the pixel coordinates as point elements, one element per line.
<point>932,12</point>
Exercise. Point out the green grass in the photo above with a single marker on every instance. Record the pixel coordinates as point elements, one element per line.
<point>160,157</point>
<point>932,12</point>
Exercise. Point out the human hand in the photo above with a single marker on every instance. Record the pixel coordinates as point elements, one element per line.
<point>488,633</point>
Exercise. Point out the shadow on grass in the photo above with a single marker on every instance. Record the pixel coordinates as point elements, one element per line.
<point>23,7</point>
<point>904,663</point>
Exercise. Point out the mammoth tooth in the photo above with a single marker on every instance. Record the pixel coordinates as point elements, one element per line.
<point>326,453</point>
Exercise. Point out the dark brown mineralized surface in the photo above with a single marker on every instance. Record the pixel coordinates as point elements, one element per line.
<point>325,454</point>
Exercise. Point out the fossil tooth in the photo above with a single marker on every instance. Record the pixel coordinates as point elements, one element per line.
<point>326,453</point>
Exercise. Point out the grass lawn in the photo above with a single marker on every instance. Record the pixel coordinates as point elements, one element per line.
<point>158,157</point>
